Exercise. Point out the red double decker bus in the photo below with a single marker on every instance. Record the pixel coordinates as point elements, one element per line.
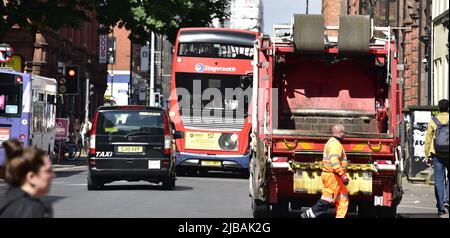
<point>210,96</point>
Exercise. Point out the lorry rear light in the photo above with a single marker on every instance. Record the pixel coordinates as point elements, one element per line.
<point>165,163</point>
<point>280,163</point>
<point>280,159</point>
<point>384,165</point>
<point>383,162</point>
<point>22,136</point>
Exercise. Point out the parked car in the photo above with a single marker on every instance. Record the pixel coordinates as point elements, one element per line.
<point>131,143</point>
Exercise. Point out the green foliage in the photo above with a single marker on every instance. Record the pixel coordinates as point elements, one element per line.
<point>160,16</point>
<point>42,14</point>
<point>138,16</point>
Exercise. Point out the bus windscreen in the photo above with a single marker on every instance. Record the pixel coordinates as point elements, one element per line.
<point>10,95</point>
<point>214,91</point>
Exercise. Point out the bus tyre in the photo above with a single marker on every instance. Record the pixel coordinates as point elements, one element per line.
<point>280,209</point>
<point>169,183</point>
<point>246,173</point>
<point>260,209</point>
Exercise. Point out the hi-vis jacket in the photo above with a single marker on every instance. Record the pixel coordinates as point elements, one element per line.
<point>335,159</point>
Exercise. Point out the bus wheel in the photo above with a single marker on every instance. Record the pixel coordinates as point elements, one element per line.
<point>280,209</point>
<point>260,209</point>
<point>245,173</point>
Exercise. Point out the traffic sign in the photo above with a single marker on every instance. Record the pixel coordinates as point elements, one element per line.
<point>6,53</point>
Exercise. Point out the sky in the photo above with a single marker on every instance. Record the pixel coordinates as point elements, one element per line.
<point>281,11</point>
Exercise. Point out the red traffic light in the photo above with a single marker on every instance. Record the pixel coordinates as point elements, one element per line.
<point>71,72</point>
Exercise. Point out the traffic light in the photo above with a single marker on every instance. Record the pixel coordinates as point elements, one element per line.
<point>91,90</point>
<point>111,54</point>
<point>62,87</point>
<point>72,78</point>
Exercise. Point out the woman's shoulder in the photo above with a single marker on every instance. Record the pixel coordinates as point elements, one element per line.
<point>21,205</point>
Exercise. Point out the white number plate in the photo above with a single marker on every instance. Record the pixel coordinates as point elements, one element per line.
<point>154,164</point>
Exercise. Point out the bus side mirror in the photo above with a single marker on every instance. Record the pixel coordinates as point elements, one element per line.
<point>51,99</point>
<point>178,135</point>
<point>246,81</point>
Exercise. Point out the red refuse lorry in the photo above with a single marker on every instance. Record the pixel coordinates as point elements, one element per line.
<point>305,82</point>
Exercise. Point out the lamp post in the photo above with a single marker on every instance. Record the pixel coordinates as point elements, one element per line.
<point>152,70</point>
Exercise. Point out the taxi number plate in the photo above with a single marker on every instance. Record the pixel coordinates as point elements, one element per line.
<point>154,164</point>
<point>211,163</point>
<point>130,149</point>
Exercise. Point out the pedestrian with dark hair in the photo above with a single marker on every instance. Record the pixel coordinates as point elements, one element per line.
<point>437,153</point>
<point>29,174</point>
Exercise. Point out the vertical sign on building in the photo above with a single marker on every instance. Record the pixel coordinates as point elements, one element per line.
<point>103,47</point>
<point>144,58</point>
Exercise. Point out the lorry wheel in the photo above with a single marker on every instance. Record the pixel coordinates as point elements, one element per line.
<point>260,208</point>
<point>387,212</point>
<point>280,209</point>
<point>366,210</point>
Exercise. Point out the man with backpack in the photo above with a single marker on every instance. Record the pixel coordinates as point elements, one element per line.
<point>437,152</point>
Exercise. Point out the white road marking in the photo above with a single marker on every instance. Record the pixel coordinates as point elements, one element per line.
<point>428,208</point>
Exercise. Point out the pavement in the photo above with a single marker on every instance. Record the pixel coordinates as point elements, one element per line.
<point>64,165</point>
<point>418,201</point>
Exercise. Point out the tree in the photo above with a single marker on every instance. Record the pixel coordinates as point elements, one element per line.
<point>160,16</point>
<point>138,16</point>
<point>42,14</point>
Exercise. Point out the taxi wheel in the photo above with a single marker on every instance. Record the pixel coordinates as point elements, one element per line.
<point>93,184</point>
<point>169,183</point>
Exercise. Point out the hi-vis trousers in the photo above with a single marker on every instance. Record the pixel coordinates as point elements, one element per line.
<point>333,191</point>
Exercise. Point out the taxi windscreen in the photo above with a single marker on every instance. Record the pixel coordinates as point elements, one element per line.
<point>122,122</point>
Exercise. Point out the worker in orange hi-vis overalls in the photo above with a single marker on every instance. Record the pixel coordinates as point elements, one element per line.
<point>334,178</point>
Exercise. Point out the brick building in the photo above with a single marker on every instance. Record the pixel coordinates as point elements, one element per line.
<point>119,72</point>
<point>411,23</point>
<point>45,53</point>
<point>129,76</point>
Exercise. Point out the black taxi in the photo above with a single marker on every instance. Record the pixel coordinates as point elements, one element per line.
<point>131,143</point>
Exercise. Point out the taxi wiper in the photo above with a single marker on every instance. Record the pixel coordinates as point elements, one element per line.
<point>137,133</point>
